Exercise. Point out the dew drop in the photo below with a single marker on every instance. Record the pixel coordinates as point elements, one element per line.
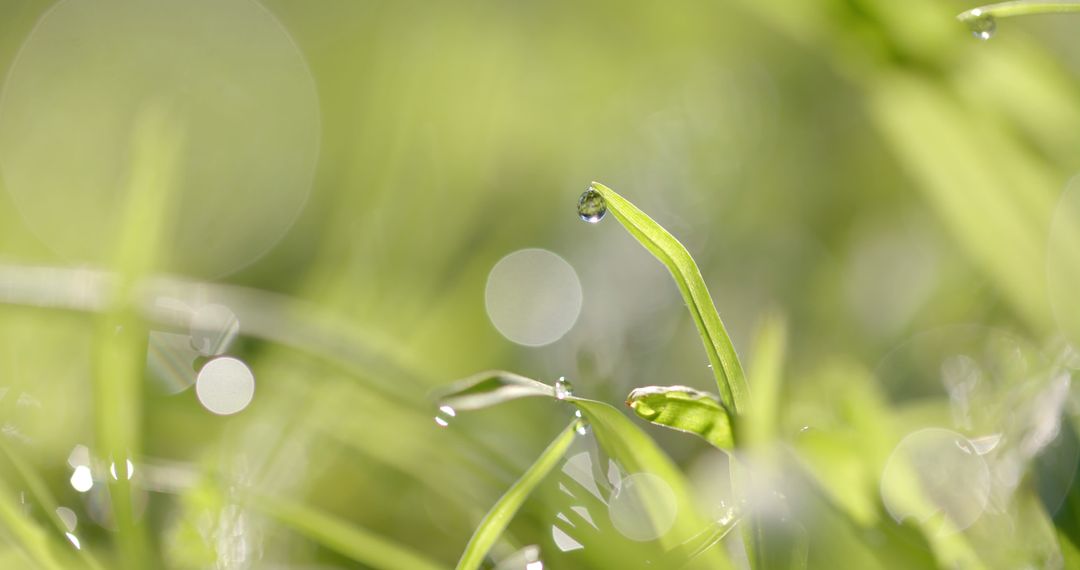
<point>982,25</point>
<point>582,426</point>
<point>563,388</point>
<point>446,413</point>
<point>591,206</point>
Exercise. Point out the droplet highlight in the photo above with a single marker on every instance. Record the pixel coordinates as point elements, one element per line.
<point>582,426</point>
<point>591,206</point>
<point>446,413</point>
<point>82,480</point>
<point>982,25</point>
<point>563,388</point>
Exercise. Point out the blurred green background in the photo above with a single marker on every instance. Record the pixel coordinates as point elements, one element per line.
<point>342,176</point>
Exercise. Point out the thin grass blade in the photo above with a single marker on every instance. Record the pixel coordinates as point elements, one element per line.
<point>490,388</point>
<point>496,520</point>
<point>730,378</point>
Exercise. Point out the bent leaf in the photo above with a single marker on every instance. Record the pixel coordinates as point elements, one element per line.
<point>490,388</point>
<point>730,378</point>
<point>496,520</point>
<point>684,409</point>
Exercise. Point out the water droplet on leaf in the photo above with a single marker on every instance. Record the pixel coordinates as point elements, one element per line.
<point>591,207</point>
<point>563,388</point>
<point>982,25</point>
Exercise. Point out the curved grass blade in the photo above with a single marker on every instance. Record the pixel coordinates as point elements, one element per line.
<point>356,543</point>
<point>490,388</point>
<point>730,378</point>
<point>496,520</point>
<point>684,409</point>
<point>1018,8</point>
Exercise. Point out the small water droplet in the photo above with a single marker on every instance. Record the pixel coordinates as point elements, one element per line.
<point>446,413</point>
<point>563,388</point>
<point>982,25</point>
<point>591,207</point>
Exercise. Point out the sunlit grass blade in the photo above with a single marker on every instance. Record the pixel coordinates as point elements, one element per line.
<point>766,369</point>
<point>1018,8</point>
<point>490,388</point>
<point>356,543</point>
<point>496,520</point>
<point>684,409</point>
<point>730,378</point>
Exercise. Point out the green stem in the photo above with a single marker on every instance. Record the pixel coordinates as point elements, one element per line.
<point>1018,8</point>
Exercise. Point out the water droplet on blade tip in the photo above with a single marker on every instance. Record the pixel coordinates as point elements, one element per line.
<point>591,206</point>
<point>982,25</point>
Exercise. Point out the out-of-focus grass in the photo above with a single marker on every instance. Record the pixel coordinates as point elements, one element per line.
<point>868,168</point>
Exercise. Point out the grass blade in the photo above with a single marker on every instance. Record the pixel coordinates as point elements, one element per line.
<point>496,520</point>
<point>766,369</point>
<point>1019,8</point>
<point>337,535</point>
<point>121,336</point>
<point>730,378</point>
<point>490,388</point>
<point>684,409</point>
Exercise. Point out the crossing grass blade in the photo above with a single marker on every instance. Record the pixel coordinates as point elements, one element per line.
<point>496,519</point>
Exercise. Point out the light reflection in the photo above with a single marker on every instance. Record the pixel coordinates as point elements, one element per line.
<point>444,415</point>
<point>643,507</point>
<point>225,386</point>
<point>527,558</point>
<point>227,212</point>
<point>934,476</point>
<point>170,360</point>
<point>74,540</point>
<point>533,297</point>
<point>563,541</point>
<point>130,470</point>
<point>80,455</point>
<point>68,517</point>
<point>213,329</point>
<point>82,480</point>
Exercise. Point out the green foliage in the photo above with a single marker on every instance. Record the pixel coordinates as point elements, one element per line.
<point>496,519</point>
<point>338,535</point>
<point>684,409</point>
